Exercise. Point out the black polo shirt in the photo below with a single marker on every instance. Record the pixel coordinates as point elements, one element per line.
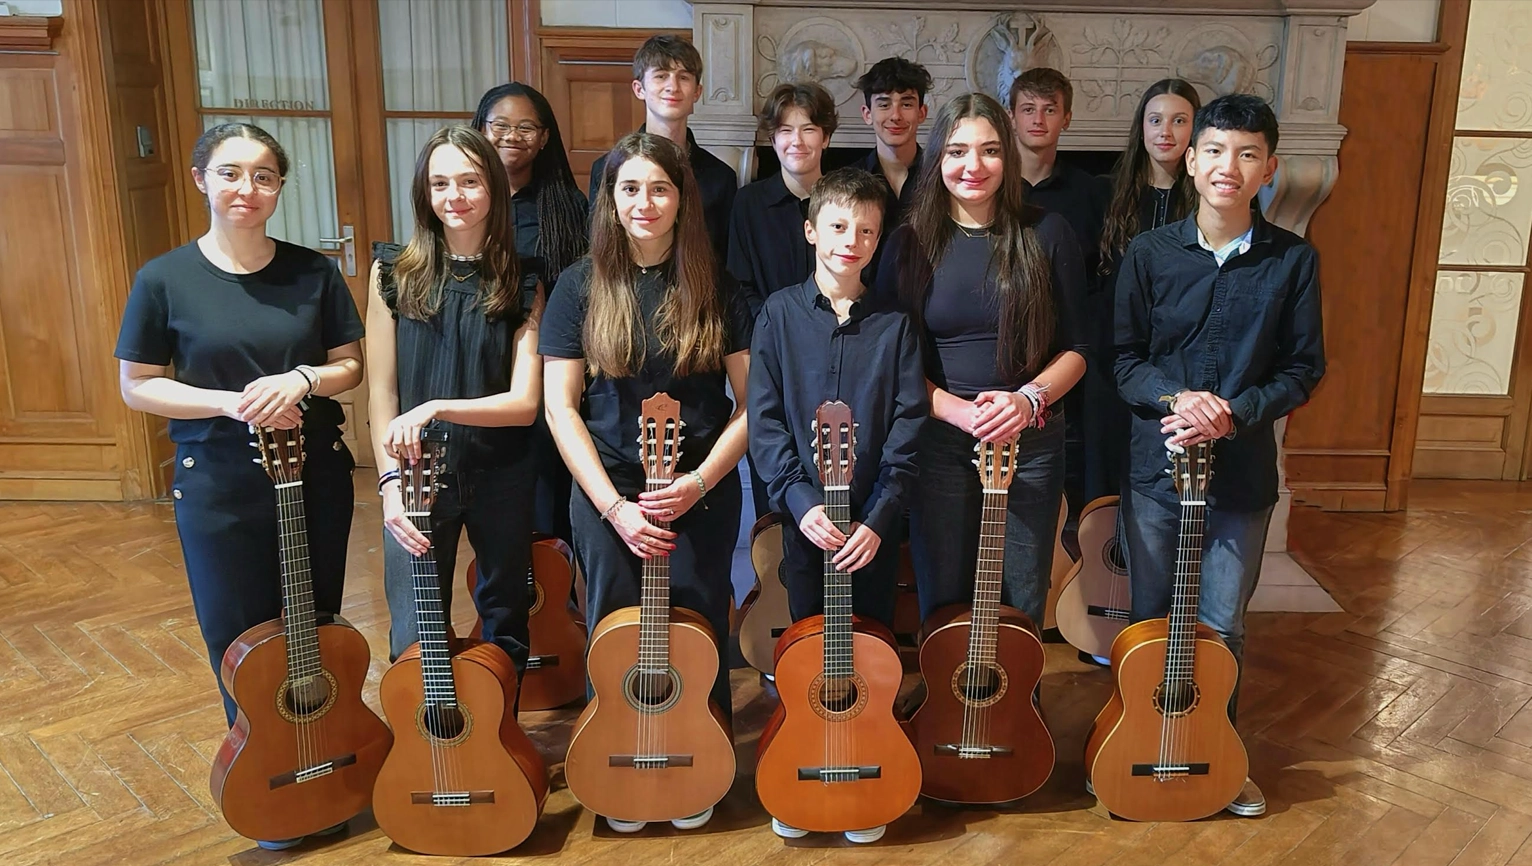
<point>529,233</point>
<point>1081,199</point>
<point>611,407</point>
<point>801,357</point>
<point>894,206</point>
<point>716,181</point>
<point>1249,331</point>
<point>767,249</point>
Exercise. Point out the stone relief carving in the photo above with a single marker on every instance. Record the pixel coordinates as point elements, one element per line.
<point>720,64</point>
<point>1114,64</point>
<point>1219,59</point>
<point>1013,43</point>
<point>943,55</point>
<point>815,49</point>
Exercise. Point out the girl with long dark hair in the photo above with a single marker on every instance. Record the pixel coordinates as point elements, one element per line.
<point>994,284</point>
<point>452,342</point>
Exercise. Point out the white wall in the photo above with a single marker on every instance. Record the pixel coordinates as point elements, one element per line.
<point>655,14</point>
<point>1397,21</point>
<point>44,8</point>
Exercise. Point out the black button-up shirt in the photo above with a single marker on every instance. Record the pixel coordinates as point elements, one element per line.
<point>715,181</point>
<point>802,356</point>
<point>894,206</point>
<point>1249,331</point>
<point>767,249</point>
<point>1081,199</point>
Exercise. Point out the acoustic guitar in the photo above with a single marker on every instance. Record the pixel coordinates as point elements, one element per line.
<point>462,779</point>
<point>1062,562</point>
<point>1163,748</point>
<point>833,758</point>
<point>766,615</point>
<point>979,733</point>
<point>555,672</point>
<point>304,749</point>
<point>1094,601</point>
<point>652,745</point>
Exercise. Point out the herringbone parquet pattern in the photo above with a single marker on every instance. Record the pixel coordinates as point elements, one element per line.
<point>1396,732</point>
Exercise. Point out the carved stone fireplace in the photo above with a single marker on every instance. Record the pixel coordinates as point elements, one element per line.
<point>1289,52</point>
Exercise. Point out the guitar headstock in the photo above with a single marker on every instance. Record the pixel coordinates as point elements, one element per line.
<point>281,453</point>
<point>1191,467</point>
<point>417,483</point>
<point>834,443</point>
<point>659,437</point>
<point>996,463</point>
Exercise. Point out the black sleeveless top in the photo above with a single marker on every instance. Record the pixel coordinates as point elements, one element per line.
<point>457,354</point>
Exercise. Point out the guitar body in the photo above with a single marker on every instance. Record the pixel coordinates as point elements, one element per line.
<point>766,612</point>
<point>1128,732</point>
<point>253,774</point>
<point>1094,604</point>
<point>555,673</point>
<point>864,735</point>
<point>1010,717</point>
<point>689,724</point>
<point>492,759</point>
<point>1062,562</point>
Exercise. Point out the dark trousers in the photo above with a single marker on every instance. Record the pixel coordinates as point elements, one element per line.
<point>872,587</point>
<point>551,515</point>
<point>944,518</point>
<point>226,515</point>
<point>1106,422</point>
<point>495,506</point>
<point>699,566</point>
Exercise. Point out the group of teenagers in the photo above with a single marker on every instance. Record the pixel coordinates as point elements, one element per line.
<point>976,289</point>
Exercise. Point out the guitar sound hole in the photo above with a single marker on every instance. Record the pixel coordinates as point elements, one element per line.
<point>307,695</point>
<point>978,685</point>
<point>1176,699</point>
<point>651,691</point>
<point>444,722</point>
<point>1114,557</point>
<point>838,695</point>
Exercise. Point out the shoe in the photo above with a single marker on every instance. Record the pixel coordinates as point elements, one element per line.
<point>1250,803</point>
<point>695,821</point>
<point>1102,660</point>
<point>1089,788</point>
<point>626,826</point>
<point>330,831</point>
<point>786,831</point>
<point>865,837</point>
<point>279,844</point>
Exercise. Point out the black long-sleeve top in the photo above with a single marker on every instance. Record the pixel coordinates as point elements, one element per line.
<point>767,248</point>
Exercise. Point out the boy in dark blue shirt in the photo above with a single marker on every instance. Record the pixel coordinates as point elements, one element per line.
<point>828,339</point>
<point>1218,336</point>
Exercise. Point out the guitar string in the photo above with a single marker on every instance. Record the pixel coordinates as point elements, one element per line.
<point>431,713</point>
<point>293,601</point>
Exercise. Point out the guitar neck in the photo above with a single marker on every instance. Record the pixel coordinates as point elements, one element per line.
<point>837,589</point>
<point>984,619</point>
<point>654,604</point>
<point>298,621</point>
<point>1181,645</point>
<point>431,622</point>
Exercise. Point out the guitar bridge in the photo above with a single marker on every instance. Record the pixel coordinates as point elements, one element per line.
<point>451,798</point>
<point>537,663</point>
<point>649,762</point>
<point>839,774</point>
<point>1164,771</point>
<point>961,751</point>
<point>308,774</point>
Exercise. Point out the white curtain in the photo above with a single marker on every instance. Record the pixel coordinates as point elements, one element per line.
<point>255,55</point>
<point>439,56</point>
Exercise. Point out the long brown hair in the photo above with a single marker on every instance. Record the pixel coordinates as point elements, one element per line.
<point>690,320</point>
<point>1131,175</point>
<point>422,268</point>
<point>1023,272</point>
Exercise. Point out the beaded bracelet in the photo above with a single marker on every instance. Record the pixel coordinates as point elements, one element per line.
<point>606,516</point>
<point>1037,395</point>
<point>696,475</point>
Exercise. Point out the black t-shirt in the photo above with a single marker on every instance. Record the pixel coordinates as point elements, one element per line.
<point>962,310</point>
<point>222,331</point>
<point>611,407</point>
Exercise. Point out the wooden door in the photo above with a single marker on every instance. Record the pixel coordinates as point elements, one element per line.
<point>287,68</point>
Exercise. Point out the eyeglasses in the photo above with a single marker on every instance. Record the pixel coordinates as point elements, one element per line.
<point>261,179</point>
<point>523,131</point>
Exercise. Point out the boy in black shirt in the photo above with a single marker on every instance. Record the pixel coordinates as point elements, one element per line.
<point>828,339</point>
<point>667,76</point>
<point>1218,336</point>
<point>894,105</point>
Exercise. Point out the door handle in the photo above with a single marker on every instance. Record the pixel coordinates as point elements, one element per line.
<point>347,244</point>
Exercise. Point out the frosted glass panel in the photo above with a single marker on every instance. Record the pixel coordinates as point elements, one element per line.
<point>405,139</point>
<point>306,210</point>
<point>1473,333</point>
<point>1496,91</point>
<point>1489,202</point>
<point>441,55</point>
<point>261,54</point>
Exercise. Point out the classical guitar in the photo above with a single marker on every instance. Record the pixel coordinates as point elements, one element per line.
<point>833,758</point>
<point>652,745</point>
<point>1062,562</point>
<point>1094,601</point>
<point>1163,748</point>
<point>304,749</point>
<point>462,779</point>
<point>766,615</point>
<point>979,734</point>
<point>555,672</point>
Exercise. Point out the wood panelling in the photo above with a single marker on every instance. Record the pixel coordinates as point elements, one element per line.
<point>587,76</point>
<point>22,33</point>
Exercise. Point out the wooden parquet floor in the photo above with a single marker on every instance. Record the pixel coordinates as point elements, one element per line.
<point>1396,732</point>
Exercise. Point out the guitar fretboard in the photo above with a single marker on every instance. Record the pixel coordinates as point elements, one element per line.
<point>985,617</point>
<point>654,604</point>
<point>1180,651</point>
<point>430,613</point>
<point>298,622</point>
<point>837,588</point>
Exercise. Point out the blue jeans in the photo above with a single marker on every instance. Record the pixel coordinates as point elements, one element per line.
<point>1232,546</point>
<point>944,518</point>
